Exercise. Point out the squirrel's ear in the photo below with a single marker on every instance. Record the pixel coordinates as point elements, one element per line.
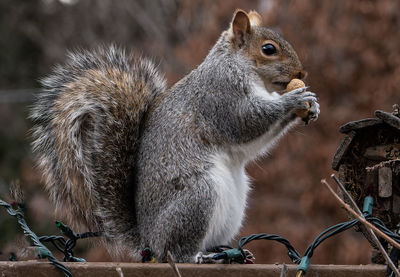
<point>255,18</point>
<point>240,27</point>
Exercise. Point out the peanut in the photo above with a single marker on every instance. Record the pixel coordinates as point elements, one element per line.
<point>295,84</point>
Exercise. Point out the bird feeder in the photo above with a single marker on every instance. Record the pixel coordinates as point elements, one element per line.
<point>368,164</point>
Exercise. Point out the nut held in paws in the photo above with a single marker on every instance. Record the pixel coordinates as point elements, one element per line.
<point>295,84</point>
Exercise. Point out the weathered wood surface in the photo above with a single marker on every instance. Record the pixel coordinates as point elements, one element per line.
<point>383,152</point>
<point>360,124</point>
<point>385,182</point>
<point>45,269</point>
<point>344,145</point>
<point>389,118</point>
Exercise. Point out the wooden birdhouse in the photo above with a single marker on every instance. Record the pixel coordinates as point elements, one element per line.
<point>368,163</point>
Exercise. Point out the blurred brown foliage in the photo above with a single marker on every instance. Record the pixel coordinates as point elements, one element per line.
<point>349,48</point>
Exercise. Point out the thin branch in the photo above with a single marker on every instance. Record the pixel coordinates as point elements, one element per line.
<point>382,164</point>
<point>284,271</point>
<point>120,273</point>
<point>358,214</point>
<point>171,262</point>
<point>371,228</point>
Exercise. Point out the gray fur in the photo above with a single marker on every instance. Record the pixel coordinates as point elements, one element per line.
<point>157,191</point>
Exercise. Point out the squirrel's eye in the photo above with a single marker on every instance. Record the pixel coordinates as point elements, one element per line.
<point>269,49</point>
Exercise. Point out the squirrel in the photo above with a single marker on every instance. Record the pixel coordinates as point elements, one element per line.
<point>165,168</point>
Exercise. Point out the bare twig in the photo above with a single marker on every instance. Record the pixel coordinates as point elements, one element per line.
<point>359,214</point>
<point>382,164</point>
<point>371,228</point>
<point>120,273</point>
<point>171,262</point>
<point>284,271</point>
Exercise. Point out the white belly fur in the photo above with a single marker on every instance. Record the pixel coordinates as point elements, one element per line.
<point>232,185</point>
<point>231,182</point>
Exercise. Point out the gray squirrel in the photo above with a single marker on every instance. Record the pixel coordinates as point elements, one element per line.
<point>165,168</point>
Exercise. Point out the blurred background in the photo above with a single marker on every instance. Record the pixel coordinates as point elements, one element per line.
<point>349,48</point>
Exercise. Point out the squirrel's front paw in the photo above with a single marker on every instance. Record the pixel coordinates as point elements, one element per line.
<point>309,114</point>
<point>302,103</point>
<point>313,112</point>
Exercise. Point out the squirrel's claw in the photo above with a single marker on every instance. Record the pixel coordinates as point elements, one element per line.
<point>313,113</point>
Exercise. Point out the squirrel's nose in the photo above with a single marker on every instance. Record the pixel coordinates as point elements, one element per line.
<point>301,74</point>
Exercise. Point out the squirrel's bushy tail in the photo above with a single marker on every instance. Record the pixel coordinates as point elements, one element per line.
<point>88,120</point>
